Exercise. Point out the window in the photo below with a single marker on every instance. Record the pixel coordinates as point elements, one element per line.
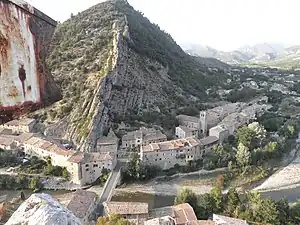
<point>86,165</point>
<point>95,165</point>
<point>159,158</point>
<point>87,169</point>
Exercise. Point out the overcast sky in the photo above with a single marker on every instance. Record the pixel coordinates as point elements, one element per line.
<point>222,24</point>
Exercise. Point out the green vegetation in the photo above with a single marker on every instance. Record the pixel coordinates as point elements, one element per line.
<point>39,166</point>
<point>149,40</point>
<point>20,182</point>
<point>8,158</point>
<point>241,95</point>
<point>253,151</point>
<point>250,206</point>
<point>136,171</point>
<point>112,220</point>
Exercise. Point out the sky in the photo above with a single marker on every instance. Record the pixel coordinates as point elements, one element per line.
<point>221,24</point>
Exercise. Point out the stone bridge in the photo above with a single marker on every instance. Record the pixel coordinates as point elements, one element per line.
<point>109,187</point>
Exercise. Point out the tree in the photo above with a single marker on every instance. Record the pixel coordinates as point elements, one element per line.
<point>232,201</point>
<point>217,199</point>
<point>35,184</point>
<point>283,209</point>
<point>187,196</point>
<point>243,155</point>
<point>112,220</point>
<point>205,207</point>
<point>295,213</point>
<point>245,136</point>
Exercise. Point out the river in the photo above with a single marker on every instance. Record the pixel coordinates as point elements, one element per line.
<point>154,201</point>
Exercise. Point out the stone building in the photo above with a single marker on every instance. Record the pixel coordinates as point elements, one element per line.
<point>83,205</point>
<point>141,137</point>
<point>167,154</point>
<point>109,143</point>
<point>189,121</point>
<point>84,168</point>
<point>20,126</point>
<point>184,132</point>
<point>221,131</point>
<point>135,212</point>
<point>182,214</point>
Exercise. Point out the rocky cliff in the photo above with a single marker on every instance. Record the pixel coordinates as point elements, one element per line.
<point>25,35</point>
<point>43,209</point>
<point>111,62</point>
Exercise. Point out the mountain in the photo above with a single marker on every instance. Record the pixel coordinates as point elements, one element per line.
<point>42,209</point>
<point>265,54</point>
<point>112,64</point>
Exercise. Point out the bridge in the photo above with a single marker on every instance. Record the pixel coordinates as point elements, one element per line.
<point>109,187</point>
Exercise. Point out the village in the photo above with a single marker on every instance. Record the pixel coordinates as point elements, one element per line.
<point>195,137</point>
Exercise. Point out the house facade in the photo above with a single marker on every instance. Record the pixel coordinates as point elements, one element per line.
<point>184,132</point>
<point>167,154</point>
<point>142,137</point>
<point>221,131</point>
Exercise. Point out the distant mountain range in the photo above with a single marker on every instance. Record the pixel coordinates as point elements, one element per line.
<point>265,54</point>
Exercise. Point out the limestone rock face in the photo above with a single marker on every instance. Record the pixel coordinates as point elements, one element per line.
<point>110,62</point>
<point>42,209</point>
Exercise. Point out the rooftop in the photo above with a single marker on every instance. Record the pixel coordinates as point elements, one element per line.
<point>48,146</point>
<point>6,140</point>
<point>220,128</point>
<point>183,213</point>
<point>209,140</point>
<point>81,202</point>
<point>82,157</point>
<point>21,122</point>
<point>171,145</point>
<point>126,208</point>
<point>166,220</point>
<point>186,129</point>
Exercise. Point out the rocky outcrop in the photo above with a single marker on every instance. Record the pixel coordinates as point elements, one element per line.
<point>110,61</point>
<point>43,209</point>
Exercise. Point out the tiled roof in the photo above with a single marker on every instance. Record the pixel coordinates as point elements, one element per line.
<point>24,137</point>
<point>81,157</point>
<point>77,157</point>
<point>6,140</point>
<point>126,208</point>
<point>81,202</point>
<point>183,213</point>
<point>187,129</point>
<point>209,140</point>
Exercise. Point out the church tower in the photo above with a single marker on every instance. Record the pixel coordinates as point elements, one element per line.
<point>203,123</point>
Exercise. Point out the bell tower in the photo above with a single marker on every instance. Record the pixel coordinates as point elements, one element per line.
<point>203,123</point>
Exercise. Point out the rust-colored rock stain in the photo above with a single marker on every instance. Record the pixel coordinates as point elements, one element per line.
<point>22,77</point>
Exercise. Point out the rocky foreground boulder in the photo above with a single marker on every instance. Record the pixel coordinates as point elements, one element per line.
<point>43,209</point>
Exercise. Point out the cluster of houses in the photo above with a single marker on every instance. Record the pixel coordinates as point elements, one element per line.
<point>83,204</point>
<point>195,136</point>
<point>84,168</point>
